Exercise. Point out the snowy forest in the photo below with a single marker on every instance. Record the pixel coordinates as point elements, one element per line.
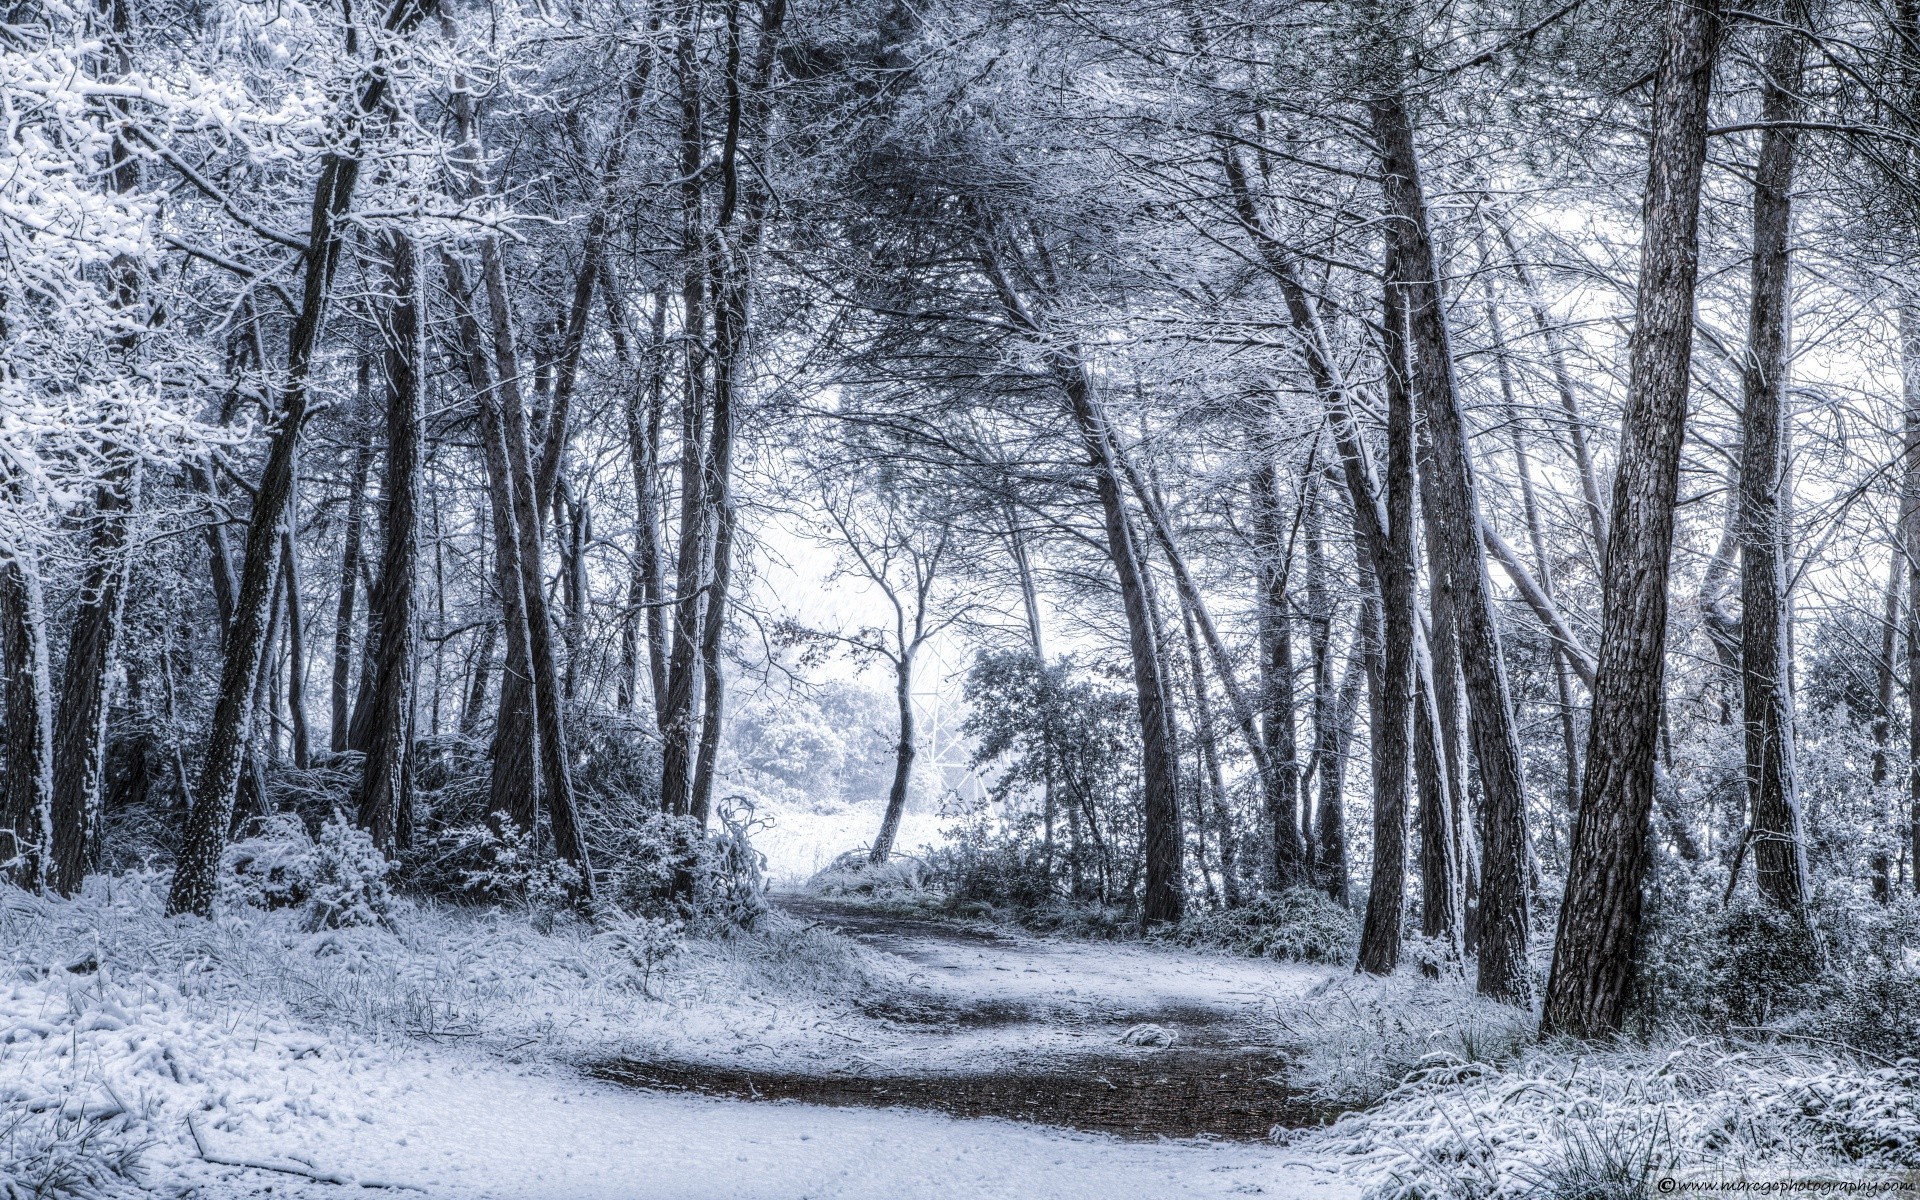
<point>965,598</point>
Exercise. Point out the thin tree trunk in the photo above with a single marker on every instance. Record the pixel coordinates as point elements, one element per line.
<point>29,849</point>
<point>386,781</point>
<point>1542,565</point>
<point>1883,712</point>
<point>1779,841</point>
<point>1461,571</point>
<point>1320,611</point>
<point>1159,760</point>
<point>1909,318</point>
<point>1563,388</point>
<point>195,875</point>
<point>512,785</point>
<point>1281,780</point>
<point>903,755</point>
<point>296,650</point>
<point>1211,786</point>
<point>350,561</point>
<point>1599,924</point>
<point>1394,682</point>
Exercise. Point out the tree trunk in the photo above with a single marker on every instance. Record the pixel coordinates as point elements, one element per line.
<point>80,726</point>
<point>28,852</point>
<point>1563,388</point>
<point>1599,924</point>
<point>1211,787</point>
<point>646,589</point>
<point>1910,552</point>
<point>1321,767</point>
<point>1393,684</point>
<point>685,673</point>
<point>350,561</point>
<point>512,786</point>
<point>1461,571</point>
<point>195,876</point>
<point>385,789</point>
<point>1773,800</point>
<point>903,754</point>
<point>1882,866</point>
<point>1280,783</point>
<point>296,647</point>
<point>1159,760</point>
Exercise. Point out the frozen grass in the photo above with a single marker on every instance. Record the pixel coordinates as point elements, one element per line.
<point>1355,1038</point>
<point>1559,1124</point>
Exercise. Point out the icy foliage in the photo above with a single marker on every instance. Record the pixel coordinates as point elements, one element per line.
<point>642,944</point>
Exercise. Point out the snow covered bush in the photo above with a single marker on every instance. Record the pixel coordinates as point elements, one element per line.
<point>659,864</point>
<point>642,944</point>
<point>850,874</point>
<point>506,864</point>
<point>274,868</point>
<point>1298,925</point>
<point>349,880</point>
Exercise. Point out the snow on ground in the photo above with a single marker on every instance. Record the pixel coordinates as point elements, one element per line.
<point>447,1057</point>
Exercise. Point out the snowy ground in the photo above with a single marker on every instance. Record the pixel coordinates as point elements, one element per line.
<point>452,1057</point>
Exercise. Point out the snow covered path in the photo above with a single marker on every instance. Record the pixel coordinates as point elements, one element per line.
<point>471,1130</point>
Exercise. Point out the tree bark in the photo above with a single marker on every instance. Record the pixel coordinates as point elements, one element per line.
<point>1393,707</point>
<point>1280,782</point>
<point>903,755</point>
<point>512,785</point>
<point>1159,761</point>
<point>28,852</point>
<point>1773,800</point>
<point>350,562</point>
<point>1599,923</point>
<point>80,723</point>
<point>1461,571</point>
<point>1909,318</point>
<point>1882,865</point>
<point>386,793</point>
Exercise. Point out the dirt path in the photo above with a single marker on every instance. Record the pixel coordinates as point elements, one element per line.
<point>1135,1041</point>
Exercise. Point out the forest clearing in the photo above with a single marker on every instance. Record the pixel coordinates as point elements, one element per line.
<point>810,599</point>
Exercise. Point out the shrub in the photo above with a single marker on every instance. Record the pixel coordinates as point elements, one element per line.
<point>850,874</point>
<point>348,881</point>
<point>1298,925</point>
<point>658,864</point>
<point>642,944</point>
<point>274,867</point>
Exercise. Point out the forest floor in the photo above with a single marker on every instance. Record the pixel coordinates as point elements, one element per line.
<point>468,1054</point>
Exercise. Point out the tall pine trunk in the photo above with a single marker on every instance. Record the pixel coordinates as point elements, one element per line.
<point>1394,683</point>
<point>1599,924</point>
<point>386,797</point>
<point>1460,569</point>
<point>1773,800</point>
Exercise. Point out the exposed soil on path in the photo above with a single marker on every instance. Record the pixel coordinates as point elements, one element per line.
<point>1175,1093</point>
<point>1217,1079</point>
